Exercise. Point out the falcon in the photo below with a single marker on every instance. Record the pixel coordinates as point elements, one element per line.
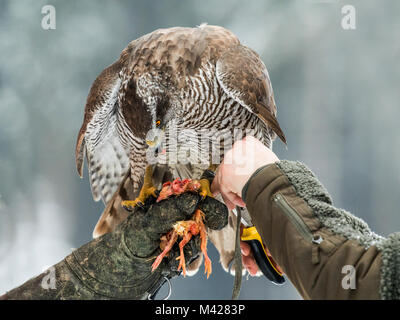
<point>180,95</point>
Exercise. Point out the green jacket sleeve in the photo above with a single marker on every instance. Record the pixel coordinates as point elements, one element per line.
<point>326,252</point>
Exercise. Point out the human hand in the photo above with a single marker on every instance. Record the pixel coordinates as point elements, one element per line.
<point>245,157</point>
<point>248,259</point>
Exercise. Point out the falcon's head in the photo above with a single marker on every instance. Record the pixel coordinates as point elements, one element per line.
<point>161,116</point>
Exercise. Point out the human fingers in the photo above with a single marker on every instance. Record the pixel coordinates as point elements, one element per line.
<point>250,264</point>
<point>233,199</point>
<point>245,248</point>
<point>248,258</point>
<point>238,201</point>
<point>228,202</point>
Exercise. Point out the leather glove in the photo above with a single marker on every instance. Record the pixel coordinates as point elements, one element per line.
<point>118,264</point>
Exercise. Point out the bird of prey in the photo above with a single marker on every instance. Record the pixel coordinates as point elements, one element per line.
<point>201,82</point>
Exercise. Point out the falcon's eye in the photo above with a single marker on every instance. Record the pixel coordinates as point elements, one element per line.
<point>158,122</point>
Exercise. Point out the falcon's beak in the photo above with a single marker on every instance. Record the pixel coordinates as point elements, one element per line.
<point>152,143</point>
<point>156,144</point>
<point>154,138</point>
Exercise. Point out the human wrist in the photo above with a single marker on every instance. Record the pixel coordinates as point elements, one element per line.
<point>252,176</point>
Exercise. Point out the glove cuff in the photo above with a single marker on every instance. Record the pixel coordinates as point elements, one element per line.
<point>134,289</point>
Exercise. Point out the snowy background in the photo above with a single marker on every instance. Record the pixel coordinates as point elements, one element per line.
<point>337,93</point>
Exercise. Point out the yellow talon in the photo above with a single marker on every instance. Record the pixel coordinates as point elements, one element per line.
<point>205,188</point>
<point>147,190</point>
<point>129,204</point>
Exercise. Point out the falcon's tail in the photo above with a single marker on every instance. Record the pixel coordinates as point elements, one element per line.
<point>114,213</point>
<point>270,120</point>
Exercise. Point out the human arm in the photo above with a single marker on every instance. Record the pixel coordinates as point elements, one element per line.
<point>118,265</point>
<point>316,244</point>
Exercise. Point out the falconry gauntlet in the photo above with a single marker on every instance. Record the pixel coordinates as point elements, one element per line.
<point>118,264</point>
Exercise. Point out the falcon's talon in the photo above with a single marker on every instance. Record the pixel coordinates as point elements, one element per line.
<point>147,190</point>
<point>205,190</point>
<point>151,191</point>
<point>129,205</point>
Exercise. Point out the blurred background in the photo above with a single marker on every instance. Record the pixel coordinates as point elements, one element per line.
<point>337,93</point>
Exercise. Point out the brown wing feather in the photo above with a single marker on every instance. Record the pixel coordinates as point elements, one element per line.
<point>95,100</point>
<point>244,77</point>
<point>269,119</point>
<point>114,213</point>
<point>80,152</point>
<point>175,53</point>
<point>99,139</point>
